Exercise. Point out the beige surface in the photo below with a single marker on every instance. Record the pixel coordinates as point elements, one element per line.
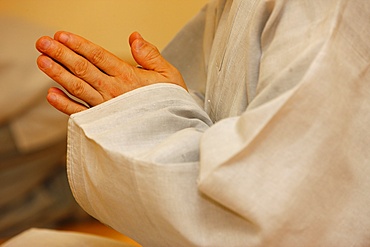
<point>96,228</point>
<point>109,22</point>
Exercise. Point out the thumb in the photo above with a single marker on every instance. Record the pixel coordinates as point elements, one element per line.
<point>147,55</point>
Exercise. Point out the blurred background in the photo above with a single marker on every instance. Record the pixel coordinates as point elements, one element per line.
<point>108,22</point>
<point>34,191</point>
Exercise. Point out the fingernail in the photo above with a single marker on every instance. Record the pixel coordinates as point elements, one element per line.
<point>44,63</point>
<point>63,37</point>
<point>52,97</point>
<point>138,44</point>
<point>139,35</point>
<point>45,43</point>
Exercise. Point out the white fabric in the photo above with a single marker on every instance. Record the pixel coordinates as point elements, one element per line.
<point>279,156</point>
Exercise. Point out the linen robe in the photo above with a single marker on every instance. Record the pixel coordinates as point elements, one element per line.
<point>278,154</point>
<point>269,148</point>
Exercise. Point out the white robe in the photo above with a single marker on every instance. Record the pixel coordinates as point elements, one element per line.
<point>277,155</point>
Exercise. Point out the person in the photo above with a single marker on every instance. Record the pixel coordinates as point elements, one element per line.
<point>34,190</point>
<point>264,142</point>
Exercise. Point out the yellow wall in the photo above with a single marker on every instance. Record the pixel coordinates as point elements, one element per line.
<point>108,22</point>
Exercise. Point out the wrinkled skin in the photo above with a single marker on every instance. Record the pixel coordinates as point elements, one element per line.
<point>94,75</point>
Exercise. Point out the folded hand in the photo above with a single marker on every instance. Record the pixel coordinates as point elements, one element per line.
<point>94,75</point>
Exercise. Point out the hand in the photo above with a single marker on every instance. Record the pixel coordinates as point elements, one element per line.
<point>94,75</point>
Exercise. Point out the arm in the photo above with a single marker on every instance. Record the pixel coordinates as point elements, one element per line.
<point>158,129</point>
<point>93,75</point>
<point>291,170</point>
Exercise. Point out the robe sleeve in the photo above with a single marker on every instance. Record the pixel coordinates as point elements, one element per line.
<point>133,163</point>
<point>292,171</point>
<point>296,162</point>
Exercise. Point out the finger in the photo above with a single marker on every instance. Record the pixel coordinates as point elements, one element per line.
<point>76,64</point>
<point>133,37</point>
<point>147,55</point>
<point>59,100</point>
<point>101,58</point>
<point>74,85</point>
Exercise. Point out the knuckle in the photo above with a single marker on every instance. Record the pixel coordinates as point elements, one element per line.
<point>77,89</point>
<point>80,68</point>
<point>152,54</point>
<point>57,74</point>
<point>65,108</point>
<point>59,53</point>
<point>77,46</point>
<point>97,56</point>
